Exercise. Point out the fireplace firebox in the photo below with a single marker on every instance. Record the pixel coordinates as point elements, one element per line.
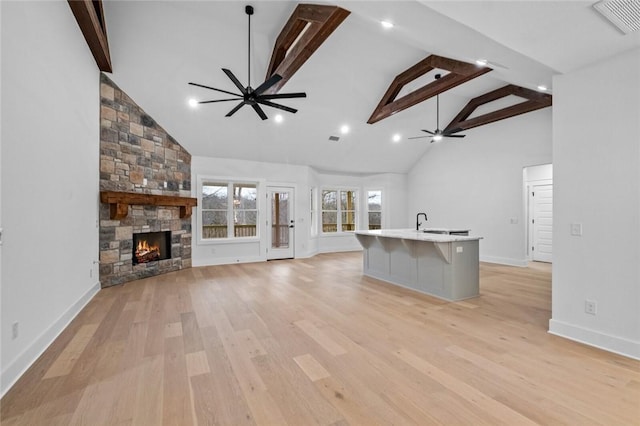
<point>151,247</point>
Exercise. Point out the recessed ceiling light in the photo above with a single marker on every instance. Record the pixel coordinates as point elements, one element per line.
<point>386,24</point>
<point>482,62</point>
<point>396,137</point>
<point>278,118</point>
<point>542,88</point>
<point>344,129</point>
<point>193,102</point>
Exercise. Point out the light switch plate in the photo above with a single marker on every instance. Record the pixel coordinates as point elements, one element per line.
<point>459,249</point>
<point>576,229</point>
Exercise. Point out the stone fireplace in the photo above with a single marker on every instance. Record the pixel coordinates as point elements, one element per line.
<point>139,159</point>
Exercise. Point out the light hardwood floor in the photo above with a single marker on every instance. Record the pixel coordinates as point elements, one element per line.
<point>306,342</point>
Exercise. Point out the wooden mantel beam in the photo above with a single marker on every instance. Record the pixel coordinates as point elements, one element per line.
<point>119,202</point>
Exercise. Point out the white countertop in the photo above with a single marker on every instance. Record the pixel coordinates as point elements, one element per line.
<point>443,229</point>
<point>412,234</point>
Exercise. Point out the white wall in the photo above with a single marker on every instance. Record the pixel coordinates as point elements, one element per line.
<point>50,134</point>
<point>596,155</point>
<point>541,172</point>
<point>476,182</point>
<point>1,97</point>
<point>302,178</point>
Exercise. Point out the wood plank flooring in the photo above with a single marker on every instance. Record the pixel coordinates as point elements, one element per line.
<point>313,341</point>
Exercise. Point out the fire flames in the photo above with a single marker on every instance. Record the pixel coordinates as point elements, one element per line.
<point>147,253</point>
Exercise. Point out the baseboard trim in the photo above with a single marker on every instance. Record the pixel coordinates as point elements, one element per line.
<point>229,261</point>
<point>615,344</point>
<point>504,261</point>
<point>21,364</point>
<point>339,250</point>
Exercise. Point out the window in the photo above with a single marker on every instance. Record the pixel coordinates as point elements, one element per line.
<point>229,210</point>
<point>374,209</point>
<point>338,210</point>
<point>245,210</point>
<point>348,210</point>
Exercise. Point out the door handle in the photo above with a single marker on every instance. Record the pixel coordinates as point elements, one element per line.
<point>291,226</point>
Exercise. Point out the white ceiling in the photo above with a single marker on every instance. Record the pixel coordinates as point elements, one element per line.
<point>157,47</point>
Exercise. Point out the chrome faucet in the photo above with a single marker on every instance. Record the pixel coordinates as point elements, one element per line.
<point>418,223</point>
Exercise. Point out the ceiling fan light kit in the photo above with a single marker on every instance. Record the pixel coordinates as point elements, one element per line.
<point>248,95</point>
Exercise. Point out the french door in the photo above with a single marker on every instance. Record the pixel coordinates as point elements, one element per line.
<point>280,223</point>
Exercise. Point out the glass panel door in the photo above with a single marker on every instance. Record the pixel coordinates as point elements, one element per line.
<point>281,224</point>
<point>280,220</point>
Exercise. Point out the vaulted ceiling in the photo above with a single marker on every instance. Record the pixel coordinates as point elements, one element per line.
<point>157,47</point>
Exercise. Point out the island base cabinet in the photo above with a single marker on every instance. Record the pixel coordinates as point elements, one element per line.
<point>447,270</point>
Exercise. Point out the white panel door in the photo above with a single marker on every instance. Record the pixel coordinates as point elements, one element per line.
<point>542,196</point>
<point>280,223</point>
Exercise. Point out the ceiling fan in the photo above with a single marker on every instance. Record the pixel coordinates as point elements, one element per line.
<point>438,134</point>
<point>249,95</point>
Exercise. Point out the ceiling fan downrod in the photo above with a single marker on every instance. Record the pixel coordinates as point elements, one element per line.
<point>249,11</point>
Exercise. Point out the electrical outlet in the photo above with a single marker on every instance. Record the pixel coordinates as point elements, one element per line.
<point>590,307</point>
<point>14,330</point>
<point>459,249</point>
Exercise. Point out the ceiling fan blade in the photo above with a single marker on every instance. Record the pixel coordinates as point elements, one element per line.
<point>427,131</point>
<point>233,111</point>
<point>271,104</point>
<point>267,84</point>
<point>419,137</point>
<point>219,100</point>
<point>213,88</point>
<point>284,95</point>
<point>235,81</point>
<point>454,136</point>
<point>259,111</point>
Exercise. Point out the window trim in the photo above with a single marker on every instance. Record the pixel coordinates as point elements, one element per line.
<point>260,209</point>
<point>313,212</point>
<point>357,213</point>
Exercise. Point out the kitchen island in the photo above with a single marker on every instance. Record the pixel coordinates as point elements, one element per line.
<point>439,262</point>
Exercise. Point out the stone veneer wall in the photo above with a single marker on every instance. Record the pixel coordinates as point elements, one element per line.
<point>134,148</point>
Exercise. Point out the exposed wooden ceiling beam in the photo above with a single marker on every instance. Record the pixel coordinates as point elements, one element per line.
<point>90,17</point>
<point>293,48</point>
<point>534,101</point>
<point>459,72</point>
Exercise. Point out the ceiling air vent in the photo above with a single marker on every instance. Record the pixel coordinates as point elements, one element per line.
<point>624,14</point>
<point>334,138</point>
